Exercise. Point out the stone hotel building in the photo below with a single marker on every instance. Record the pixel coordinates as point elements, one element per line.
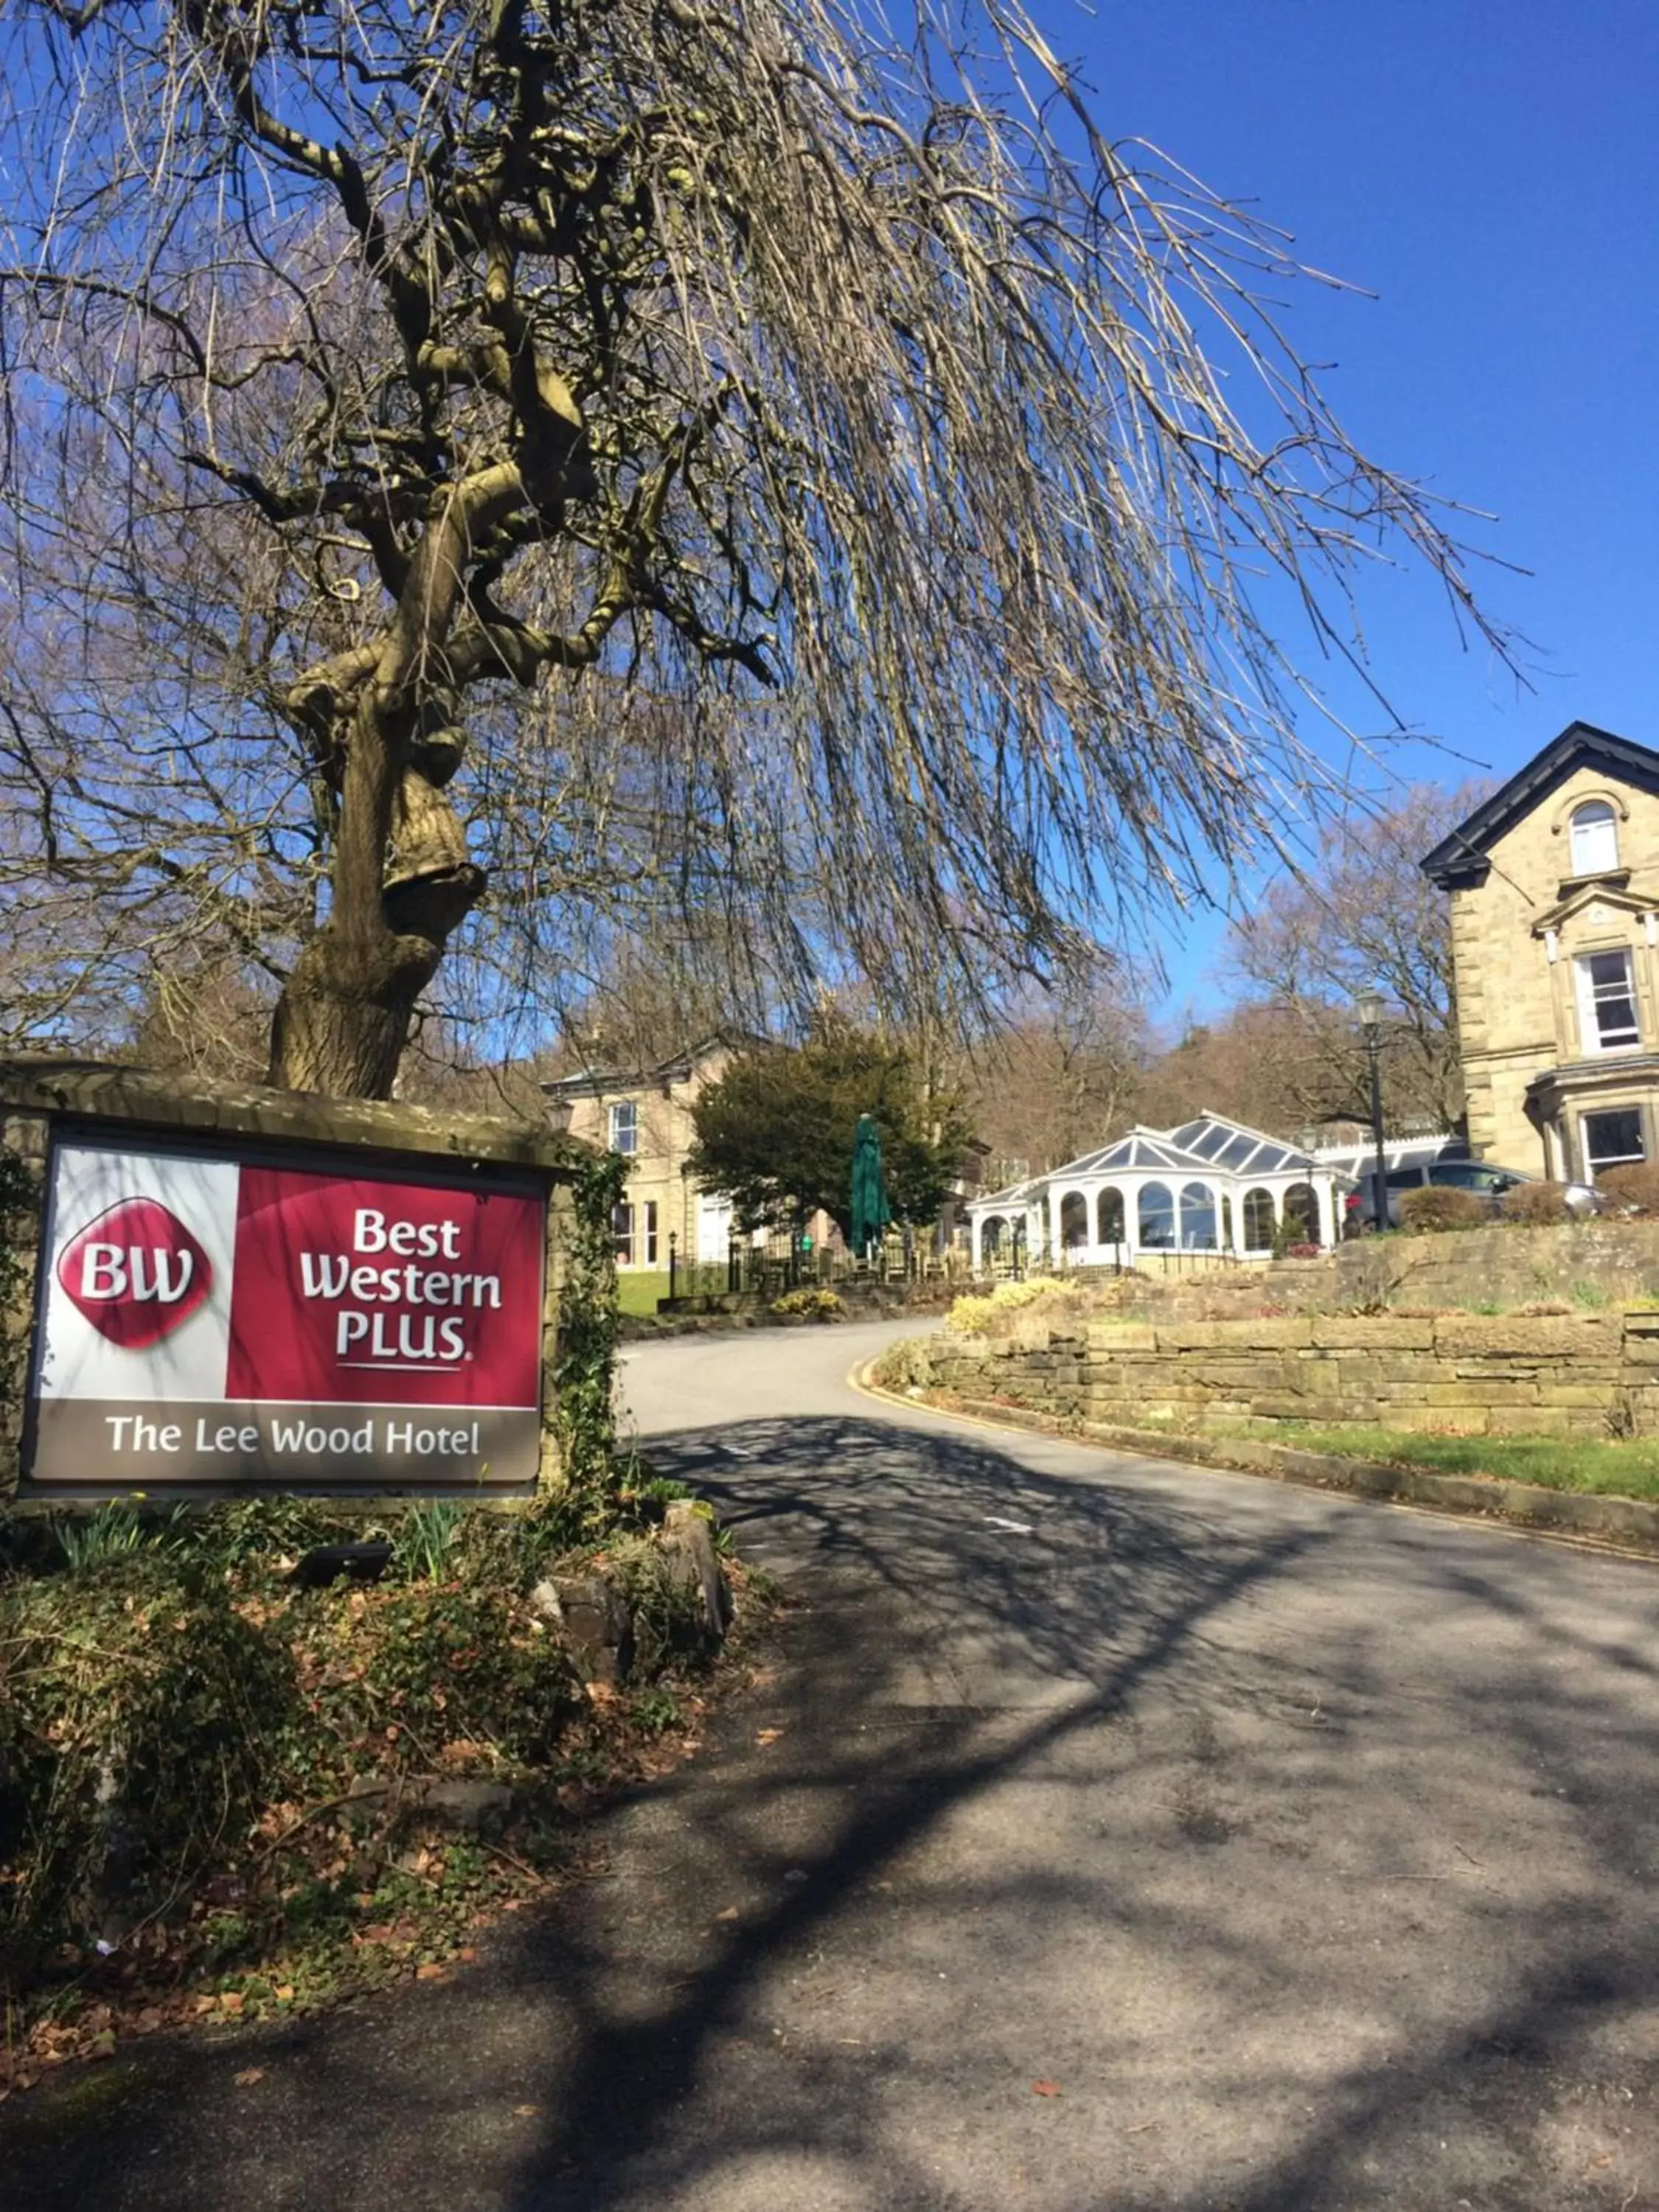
<point>1554,886</point>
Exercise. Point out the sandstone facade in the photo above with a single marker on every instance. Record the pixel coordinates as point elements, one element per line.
<point>1590,1376</point>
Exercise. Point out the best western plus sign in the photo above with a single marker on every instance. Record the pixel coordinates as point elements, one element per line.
<point>207,1318</point>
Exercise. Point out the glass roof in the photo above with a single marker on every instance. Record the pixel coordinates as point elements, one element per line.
<point>1210,1133</point>
<point>1208,1144</point>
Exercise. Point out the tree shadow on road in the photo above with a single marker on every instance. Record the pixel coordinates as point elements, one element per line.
<point>968,1634</point>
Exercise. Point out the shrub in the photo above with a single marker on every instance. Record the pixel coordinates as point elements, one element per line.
<point>138,1727</point>
<point>1435,1207</point>
<point>972,1315</point>
<point>170,1700</point>
<point>1534,1204</point>
<point>414,1668</point>
<point>813,1305</point>
<point>1632,1189</point>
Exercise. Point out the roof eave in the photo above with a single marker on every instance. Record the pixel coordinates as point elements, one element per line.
<point>1459,862</point>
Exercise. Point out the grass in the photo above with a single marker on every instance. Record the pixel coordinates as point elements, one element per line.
<point>1584,1463</point>
<point>638,1289</point>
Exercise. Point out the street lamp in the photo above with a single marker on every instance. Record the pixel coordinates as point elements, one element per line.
<point>1369,1006</point>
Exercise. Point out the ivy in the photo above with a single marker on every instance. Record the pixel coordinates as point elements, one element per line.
<point>19,1208</point>
<point>584,1367</point>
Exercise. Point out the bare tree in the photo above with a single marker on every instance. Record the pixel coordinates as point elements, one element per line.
<point>834,379</point>
<point>1058,1079</point>
<point>1249,1062</point>
<point>1366,918</point>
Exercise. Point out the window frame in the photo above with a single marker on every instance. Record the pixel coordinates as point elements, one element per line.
<point>1199,1217</point>
<point>1306,1228</point>
<point>1593,819</point>
<point>1251,1210</point>
<point>1593,1166</point>
<point>1151,1221</point>
<point>622,1233</point>
<point>1593,996</point>
<point>624,1116</point>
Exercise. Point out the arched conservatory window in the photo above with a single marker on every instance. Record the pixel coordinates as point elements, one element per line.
<point>1595,837</point>
<point>1258,1221</point>
<point>1073,1221</point>
<point>1108,1212</point>
<point>1197,1218</point>
<point>1156,1218</point>
<point>1301,1214</point>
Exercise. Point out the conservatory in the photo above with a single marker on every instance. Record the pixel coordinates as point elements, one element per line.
<point>1156,1195</point>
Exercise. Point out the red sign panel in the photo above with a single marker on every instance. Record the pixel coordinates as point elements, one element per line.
<point>384,1291</point>
<point>208,1319</point>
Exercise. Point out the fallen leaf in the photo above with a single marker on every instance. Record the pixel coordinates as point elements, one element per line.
<point>1045,2088</point>
<point>249,2076</point>
<point>730,1913</point>
<point>768,1735</point>
<point>526,2111</point>
<point>429,1972</point>
<point>232,2000</point>
<point>284,1993</point>
<point>469,1952</point>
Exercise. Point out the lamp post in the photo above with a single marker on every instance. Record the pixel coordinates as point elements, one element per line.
<point>1369,1006</point>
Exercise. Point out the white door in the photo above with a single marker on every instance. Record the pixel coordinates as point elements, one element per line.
<point>714,1226</point>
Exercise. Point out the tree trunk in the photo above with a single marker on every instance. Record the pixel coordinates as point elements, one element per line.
<point>342,1020</point>
<point>402,881</point>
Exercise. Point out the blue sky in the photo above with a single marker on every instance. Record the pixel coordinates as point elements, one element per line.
<point>1490,169</point>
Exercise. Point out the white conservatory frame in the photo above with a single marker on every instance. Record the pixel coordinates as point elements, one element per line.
<point>1212,1186</point>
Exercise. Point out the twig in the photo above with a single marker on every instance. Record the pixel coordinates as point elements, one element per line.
<point>534,1873</point>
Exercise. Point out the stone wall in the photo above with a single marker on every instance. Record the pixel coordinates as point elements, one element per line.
<point>1596,1263</point>
<point>1609,1259</point>
<point>1591,1375</point>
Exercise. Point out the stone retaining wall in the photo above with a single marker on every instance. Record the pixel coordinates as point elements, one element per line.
<point>1592,1376</point>
<point>1612,1259</point>
<point>1604,1262</point>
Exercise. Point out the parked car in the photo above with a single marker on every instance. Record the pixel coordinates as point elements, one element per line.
<point>1486,1180</point>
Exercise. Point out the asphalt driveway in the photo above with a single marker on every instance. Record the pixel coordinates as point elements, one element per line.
<point>1112,1834</point>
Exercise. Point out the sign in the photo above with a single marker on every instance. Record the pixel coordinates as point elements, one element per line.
<point>208,1319</point>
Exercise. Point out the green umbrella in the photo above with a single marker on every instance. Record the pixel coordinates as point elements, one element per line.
<point>870,1212</point>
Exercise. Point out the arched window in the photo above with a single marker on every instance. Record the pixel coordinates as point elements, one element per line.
<point>1197,1218</point>
<point>990,1236</point>
<point>1301,1214</point>
<point>1073,1221</point>
<point>1156,1218</point>
<point>1258,1221</point>
<point>1108,1214</point>
<point>1594,837</point>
